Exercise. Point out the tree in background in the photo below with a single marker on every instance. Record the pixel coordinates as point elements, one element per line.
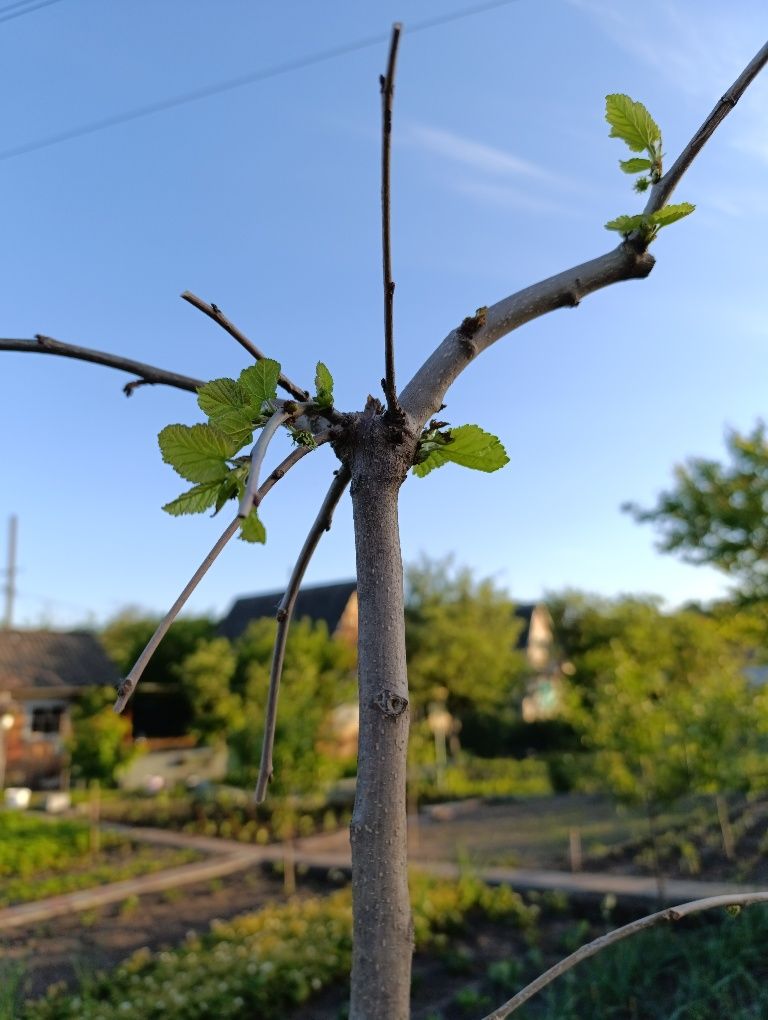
<point>207,673</point>
<point>717,514</point>
<point>317,676</point>
<point>125,636</point>
<point>662,699</point>
<point>461,641</point>
<point>99,744</point>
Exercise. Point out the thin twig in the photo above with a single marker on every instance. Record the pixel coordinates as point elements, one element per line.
<point>387,83</point>
<point>215,313</point>
<point>643,923</point>
<point>284,613</point>
<point>250,496</point>
<point>147,373</point>
<point>128,685</point>
<point>662,190</point>
<point>424,394</point>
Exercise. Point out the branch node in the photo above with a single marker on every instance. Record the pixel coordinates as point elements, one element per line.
<point>473,323</point>
<point>390,704</point>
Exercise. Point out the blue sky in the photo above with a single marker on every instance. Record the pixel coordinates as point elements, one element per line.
<point>264,199</point>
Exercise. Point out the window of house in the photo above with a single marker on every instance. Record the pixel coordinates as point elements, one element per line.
<point>46,718</point>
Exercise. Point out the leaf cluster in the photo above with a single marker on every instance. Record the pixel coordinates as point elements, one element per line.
<point>633,124</point>
<point>468,445</point>
<point>207,453</point>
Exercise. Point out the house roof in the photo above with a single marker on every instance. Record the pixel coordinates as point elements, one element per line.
<point>524,612</point>
<point>325,602</point>
<point>51,660</point>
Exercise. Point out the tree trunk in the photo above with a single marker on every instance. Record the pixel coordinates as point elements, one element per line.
<point>382,924</point>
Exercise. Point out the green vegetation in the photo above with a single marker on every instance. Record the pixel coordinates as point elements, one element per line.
<point>39,858</point>
<point>100,744</point>
<point>263,964</point>
<point>631,122</point>
<point>715,513</point>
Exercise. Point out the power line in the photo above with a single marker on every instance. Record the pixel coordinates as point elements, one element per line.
<point>27,10</point>
<point>193,96</point>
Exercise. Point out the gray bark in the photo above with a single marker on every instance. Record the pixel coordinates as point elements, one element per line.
<point>382,924</point>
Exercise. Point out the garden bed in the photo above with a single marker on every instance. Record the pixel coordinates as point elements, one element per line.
<point>42,857</point>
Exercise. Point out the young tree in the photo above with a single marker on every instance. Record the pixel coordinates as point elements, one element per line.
<point>377,446</point>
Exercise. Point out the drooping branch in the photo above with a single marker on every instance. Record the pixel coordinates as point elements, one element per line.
<point>424,394</point>
<point>669,915</point>
<point>128,686</point>
<point>284,615</point>
<point>215,313</point>
<point>257,458</point>
<point>387,83</point>
<point>146,373</point>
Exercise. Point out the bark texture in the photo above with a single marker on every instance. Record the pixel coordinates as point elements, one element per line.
<point>382,926</point>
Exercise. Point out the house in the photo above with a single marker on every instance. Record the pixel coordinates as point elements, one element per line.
<point>333,604</point>
<point>42,673</point>
<point>544,689</point>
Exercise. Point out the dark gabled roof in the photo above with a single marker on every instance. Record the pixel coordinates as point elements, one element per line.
<point>49,659</point>
<point>524,613</point>
<point>324,602</point>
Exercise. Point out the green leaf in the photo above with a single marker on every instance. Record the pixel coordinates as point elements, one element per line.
<point>626,224</point>
<point>635,165</point>
<point>631,122</point>
<point>198,452</point>
<point>236,425</point>
<point>671,213</point>
<point>228,489</point>
<point>260,382</point>
<point>194,500</point>
<point>252,530</point>
<point>471,447</point>
<point>323,386</point>
<point>220,396</point>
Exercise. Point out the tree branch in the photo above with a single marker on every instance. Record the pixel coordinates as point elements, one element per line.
<point>284,614</point>
<point>147,373</point>
<point>387,83</point>
<point>128,686</point>
<point>215,313</point>
<point>257,458</point>
<point>642,924</point>
<point>424,394</point>
<point>662,190</point>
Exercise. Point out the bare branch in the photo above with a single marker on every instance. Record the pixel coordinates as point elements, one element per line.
<point>147,373</point>
<point>662,190</point>
<point>128,686</point>
<point>257,457</point>
<point>387,95</point>
<point>423,395</point>
<point>284,613</point>
<point>215,313</point>
<point>641,924</point>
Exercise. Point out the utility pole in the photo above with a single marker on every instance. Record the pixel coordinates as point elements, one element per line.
<point>10,572</point>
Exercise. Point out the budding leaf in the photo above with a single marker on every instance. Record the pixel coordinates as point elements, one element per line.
<point>228,489</point>
<point>635,165</point>
<point>626,224</point>
<point>671,213</point>
<point>194,500</point>
<point>198,452</point>
<point>260,382</point>
<point>323,386</point>
<point>471,447</point>
<point>252,530</point>
<point>631,122</point>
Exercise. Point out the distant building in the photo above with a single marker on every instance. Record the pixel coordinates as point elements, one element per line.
<point>543,693</point>
<point>42,673</point>
<point>333,604</point>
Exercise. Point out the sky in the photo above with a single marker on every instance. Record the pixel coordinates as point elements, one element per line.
<point>264,198</point>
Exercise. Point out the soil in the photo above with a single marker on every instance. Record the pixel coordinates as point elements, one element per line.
<point>64,949</point>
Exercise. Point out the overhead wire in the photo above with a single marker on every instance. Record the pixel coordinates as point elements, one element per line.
<point>251,78</point>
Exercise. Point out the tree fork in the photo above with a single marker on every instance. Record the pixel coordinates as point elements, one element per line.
<point>382,924</point>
